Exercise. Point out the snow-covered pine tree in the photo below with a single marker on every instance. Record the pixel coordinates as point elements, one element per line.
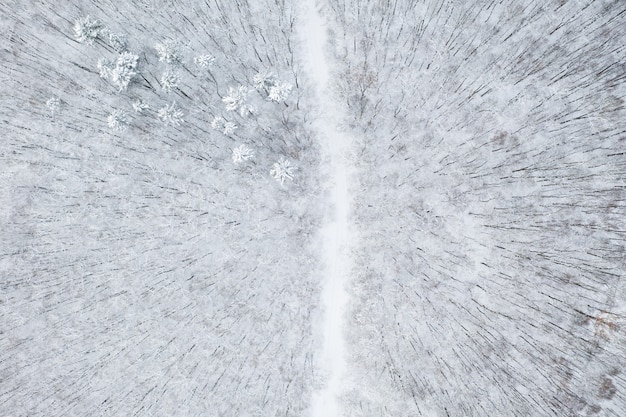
<point>237,100</point>
<point>87,30</point>
<point>169,80</point>
<point>205,61</point>
<point>282,170</point>
<point>122,71</point>
<point>118,120</point>
<point>170,52</point>
<point>171,115</point>
<point>242,153</point>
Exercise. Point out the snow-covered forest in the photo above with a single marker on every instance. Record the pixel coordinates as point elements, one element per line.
<point>313,208</point>
<point>491,203</point>
<point>151,265</point>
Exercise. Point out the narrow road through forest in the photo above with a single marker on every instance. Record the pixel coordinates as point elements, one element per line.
<point>335,235</point>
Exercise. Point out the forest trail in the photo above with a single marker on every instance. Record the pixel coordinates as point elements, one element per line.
<point>335,235</point>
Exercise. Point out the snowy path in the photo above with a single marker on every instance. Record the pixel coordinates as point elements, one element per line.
<point>336,233</point>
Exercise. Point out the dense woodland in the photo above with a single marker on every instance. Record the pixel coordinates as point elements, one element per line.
<point>491,204</point>
<point>143,271</point>
<point>161,198</point>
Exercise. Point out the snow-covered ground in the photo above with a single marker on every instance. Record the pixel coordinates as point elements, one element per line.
<point>212,208</point>
<point>335,236</point>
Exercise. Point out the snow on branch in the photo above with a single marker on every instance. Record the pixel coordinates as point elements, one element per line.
<point>169,80</point>
<point>237,100</point>
<point>279,92</point>
<point>169,51</point>
<point>118,120</point>
<point>87,30</point>
<point>53,104</point>
<point>270,87</point>
<point>204,61</point>
<point>121,72</point>
<point>226,127</point>
<point>171,115</point>
<point>282,170</point>
<point>139,106</point>
<point>117,41</point>
<point>242,153</point>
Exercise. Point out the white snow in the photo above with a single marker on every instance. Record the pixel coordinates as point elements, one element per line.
<point>335,235</point>
<point>467,261</point>
<point>143,272</point>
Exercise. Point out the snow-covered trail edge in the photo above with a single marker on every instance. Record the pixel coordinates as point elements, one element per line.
<point>335,236</point>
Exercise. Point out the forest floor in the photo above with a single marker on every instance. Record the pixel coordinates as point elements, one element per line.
<point>335,235</point>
